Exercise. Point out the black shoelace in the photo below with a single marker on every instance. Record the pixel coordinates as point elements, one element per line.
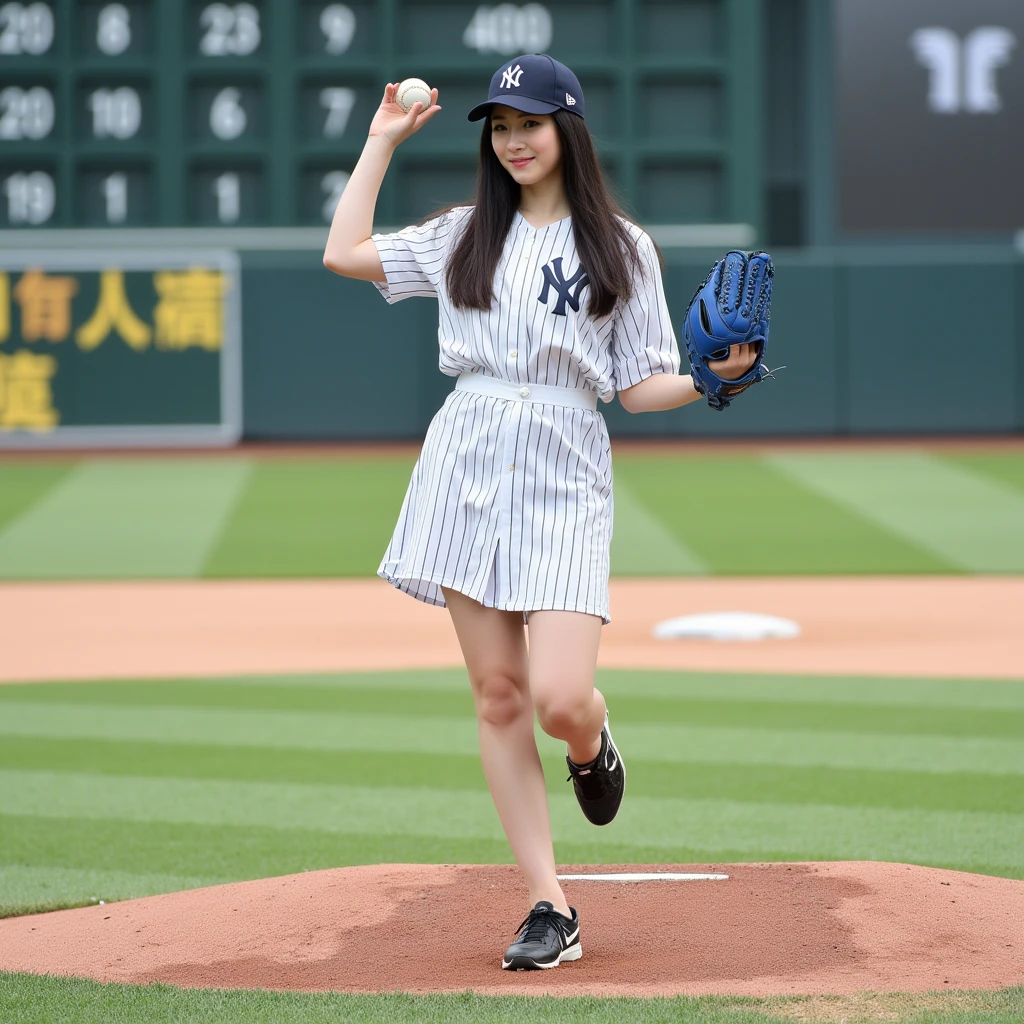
<point>595,782</point>
<point>536,925</point>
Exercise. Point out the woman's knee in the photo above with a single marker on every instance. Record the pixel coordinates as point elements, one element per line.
<point>563,711</point>
<point>500,698</point>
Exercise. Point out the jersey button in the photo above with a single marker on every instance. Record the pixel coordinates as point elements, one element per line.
<point>524,392</point>
<point>513,354</point>
<point>511,468</point>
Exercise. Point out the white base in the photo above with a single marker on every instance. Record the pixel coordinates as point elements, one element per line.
<point>727,626</point>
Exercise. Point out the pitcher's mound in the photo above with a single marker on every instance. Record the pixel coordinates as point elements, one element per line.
<point>768,929</point>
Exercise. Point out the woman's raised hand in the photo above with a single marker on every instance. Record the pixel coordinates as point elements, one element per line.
<point>395,124</point>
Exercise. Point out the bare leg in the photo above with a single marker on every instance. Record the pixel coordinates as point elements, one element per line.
<point>494,646</point>
<point>563,659</point>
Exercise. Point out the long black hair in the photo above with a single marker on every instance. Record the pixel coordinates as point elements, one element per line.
<point>607,250</point>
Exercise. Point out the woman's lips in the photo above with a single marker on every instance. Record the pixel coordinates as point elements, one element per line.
<point>521,163</point>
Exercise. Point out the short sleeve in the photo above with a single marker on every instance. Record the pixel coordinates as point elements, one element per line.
<point>414,258</point>
<point>643,341</point>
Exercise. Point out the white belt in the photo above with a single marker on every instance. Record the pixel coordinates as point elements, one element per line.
<point>539,394</point>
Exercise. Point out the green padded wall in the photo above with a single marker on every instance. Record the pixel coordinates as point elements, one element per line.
<point>873,340</point>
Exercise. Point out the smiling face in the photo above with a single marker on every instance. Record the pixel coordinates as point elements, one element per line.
<point>526,145</point>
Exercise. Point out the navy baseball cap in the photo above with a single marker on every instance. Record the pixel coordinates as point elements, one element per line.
<point>535,84</point>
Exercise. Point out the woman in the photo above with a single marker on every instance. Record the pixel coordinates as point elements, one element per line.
<point>549,298</point>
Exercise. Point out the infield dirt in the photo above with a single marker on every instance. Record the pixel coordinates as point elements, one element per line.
<point>966,627</point>
<point>770,929</point>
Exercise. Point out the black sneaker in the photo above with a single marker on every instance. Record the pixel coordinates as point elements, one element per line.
<point>599,785</point>
<point>546,938</point>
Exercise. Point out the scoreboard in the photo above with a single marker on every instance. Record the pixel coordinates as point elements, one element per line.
<point>172,113</point>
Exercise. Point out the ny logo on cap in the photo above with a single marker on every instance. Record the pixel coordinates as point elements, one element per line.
<point>510,77</point>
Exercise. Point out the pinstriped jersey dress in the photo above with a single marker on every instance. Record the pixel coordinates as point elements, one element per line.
<point>510,503</point>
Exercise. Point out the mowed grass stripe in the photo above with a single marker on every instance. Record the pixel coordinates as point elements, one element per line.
<point>226,727</point>
<point>684,710</point>
<point>30,890</point>
<point>974,694</point>
<point>866,787</point>
<point>124,518</point>
<point>23,484</point>
<point>31,999</point>
<point>221,851</point>
<point>799,531</point>
<point>323,517</point>
<point>333,516</point>
<point>643,546</point>
<point>247,852</point>
<point>245,764</point>
<point>109,691</point>
<point>1004,468</point>
<point>187,693</point>
<point>826,832</point>
<point>410,734</point>
<point>970,521</point>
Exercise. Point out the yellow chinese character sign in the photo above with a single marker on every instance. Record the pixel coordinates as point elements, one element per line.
<point>26,397</point>
<point>120,347</point>
<point>190,309</point>
<point>113,314</point>
<point>45,301</point>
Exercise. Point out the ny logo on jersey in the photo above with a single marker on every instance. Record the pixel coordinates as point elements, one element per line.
<point>510,77</point>
<point>568,290</point>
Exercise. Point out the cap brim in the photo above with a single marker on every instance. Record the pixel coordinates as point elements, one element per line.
<point>521,103</point>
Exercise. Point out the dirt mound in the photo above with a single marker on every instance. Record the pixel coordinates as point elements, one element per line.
<point>770,929</point>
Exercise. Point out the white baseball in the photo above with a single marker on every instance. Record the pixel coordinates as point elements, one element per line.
<point>413,90</point>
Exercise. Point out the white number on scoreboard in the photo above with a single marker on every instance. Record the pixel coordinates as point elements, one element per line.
<point>338,103</point>
<point>116,113</point>
<point>30,197</point>
<point>333,184</point>
<point>338,24</point>
<point>26,113</point>
<point>228,193</point>
<point>231,31</point>
<point>509,29</point>
<point>115,195</point>
<point>25,28</point>
<point>113,30</point>
<point>227,115</point>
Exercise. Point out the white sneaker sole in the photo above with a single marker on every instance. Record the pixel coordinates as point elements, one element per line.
<point>618,756</point>
<point>572,953</point>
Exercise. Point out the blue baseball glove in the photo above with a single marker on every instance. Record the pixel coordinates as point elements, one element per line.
<point>731,307</point>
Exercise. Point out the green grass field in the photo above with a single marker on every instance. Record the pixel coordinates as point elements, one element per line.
<point>113,790</point>
<point>110,790</point>
<point>27,1000</point>
<point>900,511</point>
<point>122,789</point>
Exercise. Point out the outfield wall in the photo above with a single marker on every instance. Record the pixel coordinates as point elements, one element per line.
<point>875,340</point>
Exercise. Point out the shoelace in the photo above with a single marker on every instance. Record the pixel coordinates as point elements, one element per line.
<point>594,779</point>
<point>536,924</point>
<point>595,785</point>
